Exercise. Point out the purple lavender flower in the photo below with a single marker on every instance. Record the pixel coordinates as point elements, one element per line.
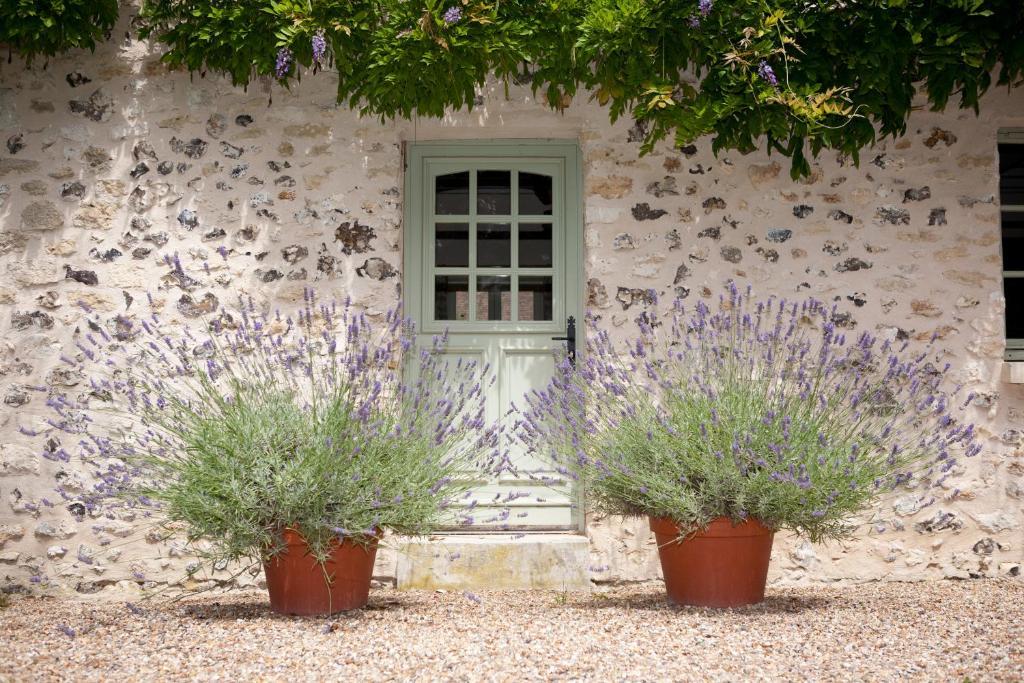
<point>283,63</point>
<point>452,15</point>
<point>704,6</point>
<point>764,70</point>
<point>319,44</point>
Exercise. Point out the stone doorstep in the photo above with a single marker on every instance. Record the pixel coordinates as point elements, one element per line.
<point>494,561</point>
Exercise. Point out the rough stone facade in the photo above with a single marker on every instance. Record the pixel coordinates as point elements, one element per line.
<point>112,167</point>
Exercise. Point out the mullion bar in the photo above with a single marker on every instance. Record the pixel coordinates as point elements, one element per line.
<point>472,244</point>
<point>514,247</point>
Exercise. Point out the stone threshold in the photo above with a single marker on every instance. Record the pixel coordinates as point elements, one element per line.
<point>546,561</point>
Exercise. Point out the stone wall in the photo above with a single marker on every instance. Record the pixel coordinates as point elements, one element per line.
<point>112,167</point>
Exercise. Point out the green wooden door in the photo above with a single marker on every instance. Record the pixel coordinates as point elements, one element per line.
<point>493,250</point>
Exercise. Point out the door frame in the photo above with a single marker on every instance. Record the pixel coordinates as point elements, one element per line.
<point>417,155</point>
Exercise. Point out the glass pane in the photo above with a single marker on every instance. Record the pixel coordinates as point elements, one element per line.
<point>451,245</point>
<point>534,194</point>
<point>1013,288</point>
<point>535,301</point>
<point>452,194</point>
<point>494,192</point>
<point>1013,240</point>
<point>451,297</point>
<point>535,245</point>
<point>1011,174</point>
<point>494,297</point>
<point>493,245</point>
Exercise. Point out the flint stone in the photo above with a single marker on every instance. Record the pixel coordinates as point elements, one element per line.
<point>294,253</point>
<point>76,79</point>
<point>939,521</point>
<point>597,295</point>
<point>143,149</point>
<point>25,319</point>
<point>917,194</point>
<point>631,296</point>
<point>98,107</point>
<point>72,191</point>
<point>193,149</point>
<point>851,265</point>
<point>840,216</point>
<point>216,125</point>
<point>666,186</point>
<point>354,237</point>
<point>731,254</point>
<point>644,212</point>
<point>892,215</point>
<point>190,308</point>
<point>16,143</point>
<point>376,269</point>
<point>188,219</point>
<point>230,151</point>
<point>86,277</point>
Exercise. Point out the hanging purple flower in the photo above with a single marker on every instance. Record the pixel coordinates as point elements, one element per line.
<point>694,22</point>
<point>764,70</point>
<point>283,64</point>
<point>319,45</point>
<point>452,15</point>
<point>704,6</point>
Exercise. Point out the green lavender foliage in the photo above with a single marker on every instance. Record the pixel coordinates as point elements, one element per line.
<point>757,410</point>
<point>326,424</point>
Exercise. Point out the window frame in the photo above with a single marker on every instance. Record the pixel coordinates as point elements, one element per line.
<point>1014,350</point>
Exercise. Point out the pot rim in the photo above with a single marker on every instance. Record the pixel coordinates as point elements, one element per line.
<point>720,527</point>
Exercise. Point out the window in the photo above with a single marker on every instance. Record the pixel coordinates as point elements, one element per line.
<point>1011,202</point>
<point>493,231</point>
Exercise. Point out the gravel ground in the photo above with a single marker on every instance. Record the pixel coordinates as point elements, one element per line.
<point>879,632</point>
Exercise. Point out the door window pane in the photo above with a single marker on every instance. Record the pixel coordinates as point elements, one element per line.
<point>451,245</point>
<point>535,300</point>
<point>534,194</point>
<point>494,193</point>
<point>494,245</point>
<point>451,297</point>
<point>535,245</point>
<point>452,194</point>
<point>494,297</point>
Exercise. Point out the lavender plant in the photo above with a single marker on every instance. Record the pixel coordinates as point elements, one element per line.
<point>760,409</point>
<point>251,424</point>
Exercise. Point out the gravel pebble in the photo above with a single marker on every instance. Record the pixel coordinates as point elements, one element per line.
<point>879,632</point>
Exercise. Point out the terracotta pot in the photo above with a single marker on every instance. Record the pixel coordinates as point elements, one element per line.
<point>721,566</point>
<point>298,584</point>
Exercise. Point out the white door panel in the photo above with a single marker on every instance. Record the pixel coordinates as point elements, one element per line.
<point>493,257</point>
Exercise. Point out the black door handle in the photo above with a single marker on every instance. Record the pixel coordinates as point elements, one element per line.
<point>569,339</point>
